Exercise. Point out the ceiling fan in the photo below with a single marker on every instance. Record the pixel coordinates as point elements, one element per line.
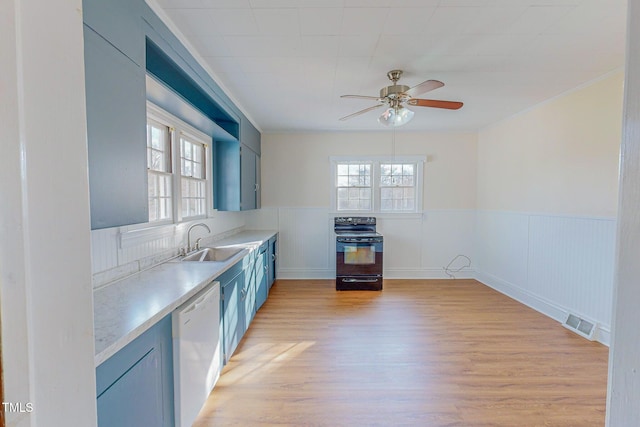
<point>396,96</point>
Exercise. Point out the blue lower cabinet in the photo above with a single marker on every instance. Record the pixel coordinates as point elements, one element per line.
<point>272,259</point>
<point>233,321</point>
<point>262,267</point>
<point>135,386</point>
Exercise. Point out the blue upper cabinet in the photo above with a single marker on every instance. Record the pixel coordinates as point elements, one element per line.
<point>119,22</point>
<point>116,129</point>
<point>125,41</point>
<point>237,171</point>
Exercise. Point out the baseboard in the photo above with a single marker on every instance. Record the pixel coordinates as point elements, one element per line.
<point>426,273</point>
<point>394,273</point>
<point>548,308</point>
<point>305,273</point>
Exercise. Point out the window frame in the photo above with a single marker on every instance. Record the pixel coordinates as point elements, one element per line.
<point>376,162</point>
<point>167,173</point>
<point>178,129</point>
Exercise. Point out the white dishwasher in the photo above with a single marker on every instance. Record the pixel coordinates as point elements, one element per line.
<point>197,352</point>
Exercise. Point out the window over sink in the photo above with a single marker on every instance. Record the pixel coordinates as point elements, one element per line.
<point>179,184</point>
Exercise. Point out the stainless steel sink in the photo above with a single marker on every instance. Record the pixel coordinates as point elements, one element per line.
<point>213,254</point>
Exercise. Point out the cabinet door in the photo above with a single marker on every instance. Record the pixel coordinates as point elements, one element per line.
<point>248,175</point>
<point>134,387</point>
<point>261,277</point>
<point>227,175</point>
<point>233,320</point>
<point>116,118</point>
<point>119,22</point>
<point>272,258</point>
<point>248,308</point>
<point>136,398</point>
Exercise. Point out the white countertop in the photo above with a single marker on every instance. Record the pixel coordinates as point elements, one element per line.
<point>125,309</point>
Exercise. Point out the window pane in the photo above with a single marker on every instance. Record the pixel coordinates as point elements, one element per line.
<point>165,208</point>
<point>157,160</point>
<point>153,186</point>
<point>153,210</point>
<point>353,182</point>
<point>185,188</point>
<point>157,138</point>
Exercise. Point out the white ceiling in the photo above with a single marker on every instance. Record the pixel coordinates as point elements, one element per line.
<point>286,62</point>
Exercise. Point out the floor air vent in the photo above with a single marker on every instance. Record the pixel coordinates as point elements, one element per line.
<point>580,326</point>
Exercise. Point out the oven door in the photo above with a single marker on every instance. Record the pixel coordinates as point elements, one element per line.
<point>358,257</point>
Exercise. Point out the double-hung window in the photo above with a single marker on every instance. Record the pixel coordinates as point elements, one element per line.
<point>159,171</point>
<point>193,177</point>
<point>377,184</point>
<point>354,186</point>
<point>177,161</point>
<point>398,187</point>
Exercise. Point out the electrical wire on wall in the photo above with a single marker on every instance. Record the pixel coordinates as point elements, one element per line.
<point>463,260</point>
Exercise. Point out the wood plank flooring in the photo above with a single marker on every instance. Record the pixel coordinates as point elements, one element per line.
<point>421,352</point>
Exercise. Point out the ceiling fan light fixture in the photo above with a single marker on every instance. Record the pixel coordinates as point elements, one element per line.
<point>395,116</point>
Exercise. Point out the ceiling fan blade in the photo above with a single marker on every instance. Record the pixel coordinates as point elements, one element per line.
<point>360,112</point>
<point>360,97</point>
<point>424,87</point>
<point>448,105</point>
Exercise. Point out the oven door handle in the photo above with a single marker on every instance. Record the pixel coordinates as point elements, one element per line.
<point>360,280</point>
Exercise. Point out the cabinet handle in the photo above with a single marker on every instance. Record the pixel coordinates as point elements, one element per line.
<point>360,280</point>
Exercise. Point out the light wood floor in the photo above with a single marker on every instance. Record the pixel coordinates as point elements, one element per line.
<point>423,352</point>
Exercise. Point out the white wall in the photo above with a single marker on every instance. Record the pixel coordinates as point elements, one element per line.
<point>296,199</point>
<point>294,163</point>
<point>45,276</point>
<point>624,358</point>
<point>560,157</point>
<point>547,194</point>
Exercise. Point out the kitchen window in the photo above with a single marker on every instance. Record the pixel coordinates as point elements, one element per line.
<point>159,171</point>
<point>354,186</point>
<point>194,182</point>
<point>179,184</point>
<point>377,184</point>
<point>397,187</point>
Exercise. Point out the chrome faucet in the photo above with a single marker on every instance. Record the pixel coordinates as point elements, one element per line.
<point>189,248</point>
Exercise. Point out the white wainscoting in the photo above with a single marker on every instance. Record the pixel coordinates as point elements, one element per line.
<point>554,264</point>
<point>415,246</point>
